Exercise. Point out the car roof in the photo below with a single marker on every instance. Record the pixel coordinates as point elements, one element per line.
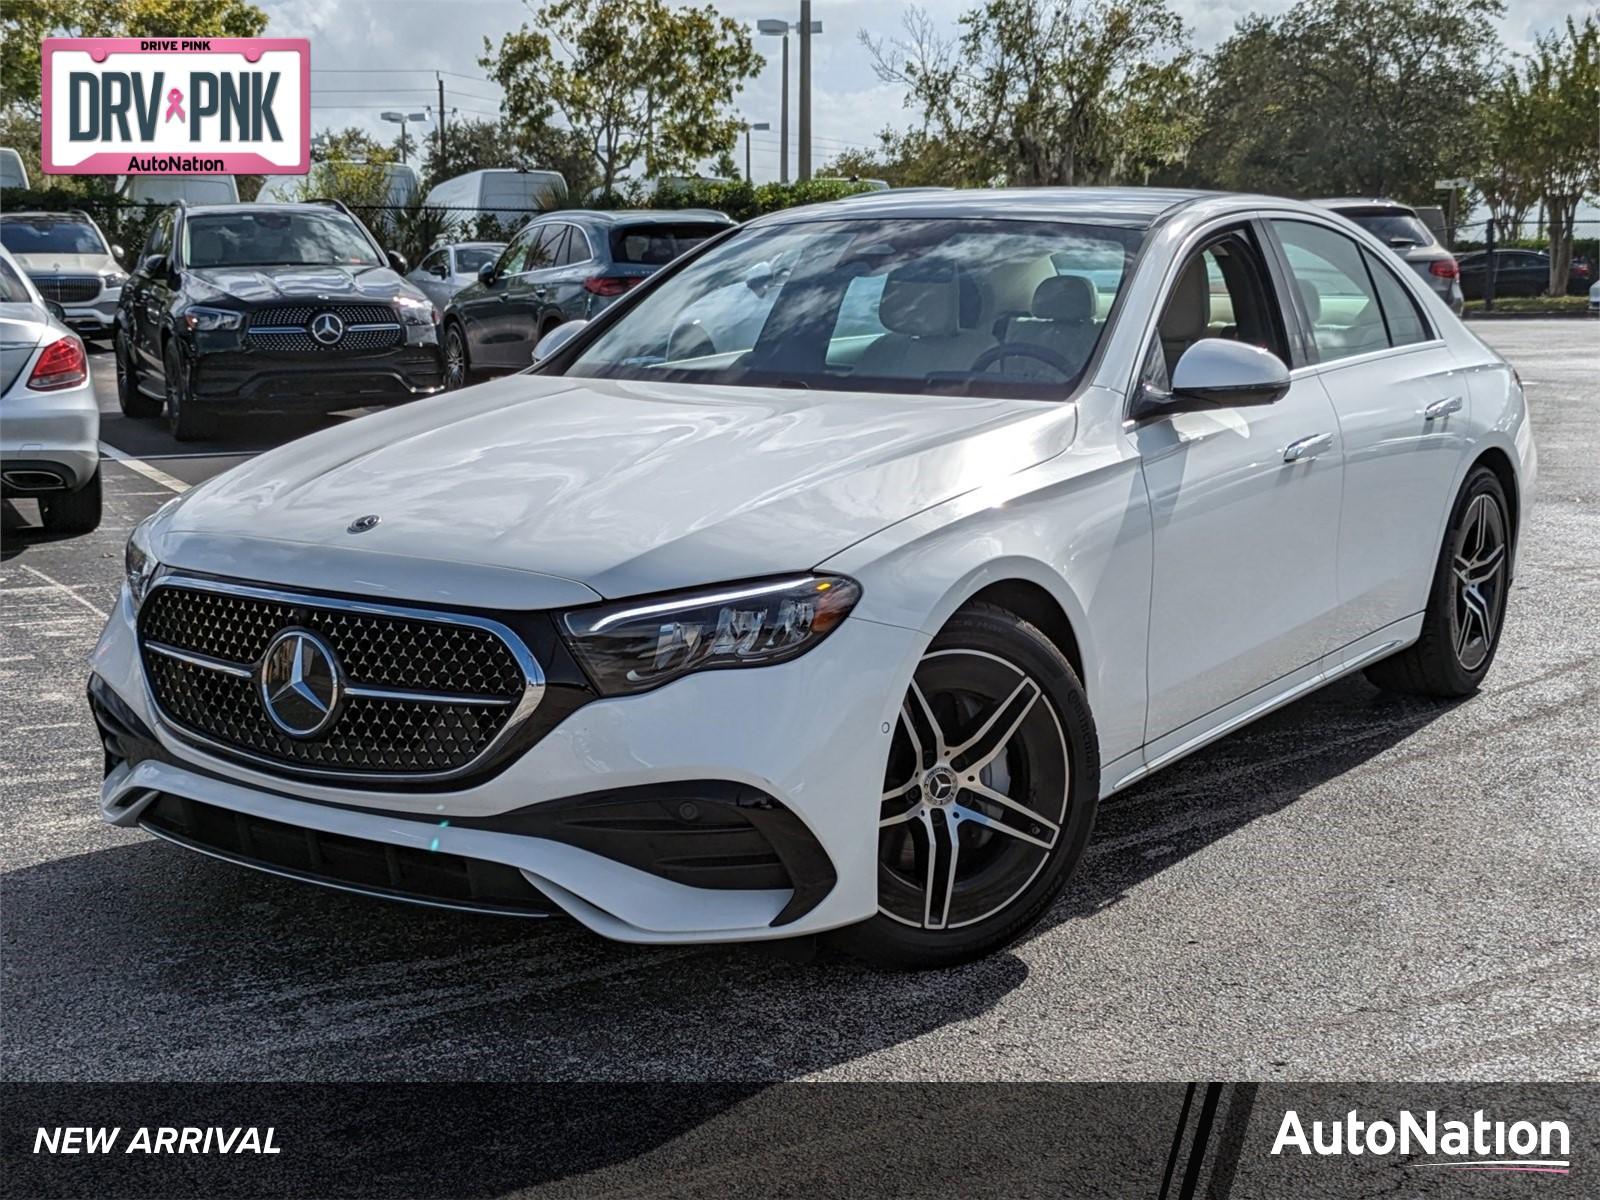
<point>1129,207</point>
<point>76,216</point>
<point>1339,203</point>
<point>233,210</point>
<point>637,216</point>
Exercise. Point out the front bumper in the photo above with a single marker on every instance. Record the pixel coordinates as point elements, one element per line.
<point>52,431</point>
<point>247,380</point>
<point>811,735</point>
<point>97,318</point>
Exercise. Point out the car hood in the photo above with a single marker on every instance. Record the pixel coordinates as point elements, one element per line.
<point>624,487</point>
<point>66,264</point>
<point>262,285</point>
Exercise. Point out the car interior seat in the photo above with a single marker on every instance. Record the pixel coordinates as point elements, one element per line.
<point>927,310</point>
<point>1188,315</point>
<point>1061,319</point>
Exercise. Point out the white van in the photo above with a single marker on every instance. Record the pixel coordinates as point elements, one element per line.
<point>169,189</point>
<point>12,173</point>
<point>507,194</point>
<point>399,183</point>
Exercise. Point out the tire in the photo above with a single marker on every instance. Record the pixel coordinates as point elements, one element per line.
<point>1466,604</point>
<point>72,512</point>
<point>1012,720</point>
<point>130,399</point>
<point>185,422</point>
<point>457,361</point>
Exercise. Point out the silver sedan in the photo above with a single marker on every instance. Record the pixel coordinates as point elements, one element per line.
<point>448,269</point>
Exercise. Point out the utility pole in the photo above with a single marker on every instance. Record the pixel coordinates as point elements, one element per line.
<point>748,177</point>
<point>805,88</point>
<point>441,119</point>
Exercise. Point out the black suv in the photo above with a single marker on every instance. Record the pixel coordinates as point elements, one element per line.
<point>246,308</point>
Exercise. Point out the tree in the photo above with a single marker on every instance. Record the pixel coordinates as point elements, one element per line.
<point>1371,97</point>
<point>1040,91</point>
<point>1505,180</point>
<point>1561,80</point>
<point>25,23</point>
<point>635,80</point>
<point>351,144</point>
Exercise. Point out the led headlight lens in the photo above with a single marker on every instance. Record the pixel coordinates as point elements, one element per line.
<point>207,320</point>
<point>140,562</point>
<point>636,645</point>
<point>416,312</point>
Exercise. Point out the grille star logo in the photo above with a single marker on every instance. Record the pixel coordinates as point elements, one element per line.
<point>327,328</point>
<point>300,683</point>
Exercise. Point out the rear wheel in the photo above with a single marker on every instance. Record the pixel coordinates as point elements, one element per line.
<point>185,422</point>
<point>457,367</point>
<point>1466,606</point>
<point>989,796</point>
<point>130,399</point>
<point>72,512</point>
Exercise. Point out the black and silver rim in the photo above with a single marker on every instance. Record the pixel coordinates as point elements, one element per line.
<point>124,376</point>
<point>174,386</point>
<point>455,360</point>
<point>975,795</point>
<point>1479,568</point>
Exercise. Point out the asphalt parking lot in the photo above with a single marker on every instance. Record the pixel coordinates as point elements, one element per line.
<point>1358,887</point>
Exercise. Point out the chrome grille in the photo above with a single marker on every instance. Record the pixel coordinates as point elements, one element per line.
<point>426,694</point>
<point>286,327</point>
<point>301,314</point>
<point>298,339</point>
<point>68,289</point>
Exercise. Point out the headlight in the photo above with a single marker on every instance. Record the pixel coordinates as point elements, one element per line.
<point>114,279</point>
<point>636,645</point>
<point>416,312</point>
<point>140,562</point>
<point>207,320</point>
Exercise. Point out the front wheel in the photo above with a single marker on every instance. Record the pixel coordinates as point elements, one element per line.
<point>1467,603</point>
<point>989,797</point>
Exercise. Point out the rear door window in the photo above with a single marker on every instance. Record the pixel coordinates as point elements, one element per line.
<point>1407,325</point>
<point>1335,290</point>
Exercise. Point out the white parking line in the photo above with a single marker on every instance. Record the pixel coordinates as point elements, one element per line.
<point>139,466</point>
<point>56,583</point>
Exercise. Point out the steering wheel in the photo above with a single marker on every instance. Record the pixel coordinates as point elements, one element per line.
<point>1022,350</point>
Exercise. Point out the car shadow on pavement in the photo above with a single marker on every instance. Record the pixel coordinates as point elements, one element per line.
<point>140,961</point>
<point>18,532</point>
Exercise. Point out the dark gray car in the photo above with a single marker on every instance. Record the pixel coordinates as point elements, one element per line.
<point>1409,237</point>
<point>565,266</point>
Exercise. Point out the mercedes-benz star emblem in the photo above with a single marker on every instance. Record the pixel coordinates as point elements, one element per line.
<point>300,683</point>
<point>362,524</point>
<point>327,328</point>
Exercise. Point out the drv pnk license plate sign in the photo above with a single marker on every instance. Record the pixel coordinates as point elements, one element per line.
<point>176,106</point>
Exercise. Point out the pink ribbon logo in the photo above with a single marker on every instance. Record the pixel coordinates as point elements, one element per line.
<point>175,105</point>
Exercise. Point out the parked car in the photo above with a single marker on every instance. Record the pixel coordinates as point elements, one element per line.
<point>508,195</point>
<point>50,431</point>
<point>1516,273</point>
<point>1580,275</point>
<point>1594,300</point>
<point>839,632</point>
<point>159,190</point>
<point>70,262</point>
<point>1398,227</point>
<point>448,269</point>
<point>12,173</point>
<point>256,308</point>
<point>567,266</point>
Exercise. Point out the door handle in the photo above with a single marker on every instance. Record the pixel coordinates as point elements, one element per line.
<point>1442,408</point>
<point>539,292</point>
<point>1307,448</point>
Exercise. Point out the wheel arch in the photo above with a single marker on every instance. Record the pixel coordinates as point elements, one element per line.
<point>1032,602</point>
<point>1499,462</point>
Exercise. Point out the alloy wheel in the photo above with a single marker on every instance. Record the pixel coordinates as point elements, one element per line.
<point>455,360</point>
<point>976,792</point>
<point>1479,569</point>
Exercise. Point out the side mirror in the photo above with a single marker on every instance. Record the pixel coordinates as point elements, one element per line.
<point>486,275</point>
<point>397,261</point>
<point>155,266</point>
<point>116,252</point>
<point>439,269</point>
<point>557,338</point>
<point>1217,373</point>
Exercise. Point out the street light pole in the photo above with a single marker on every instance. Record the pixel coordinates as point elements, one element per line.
<point>748,178</point>
<point>805,89</point>
<point>776,28</point>
<point>400,119</point>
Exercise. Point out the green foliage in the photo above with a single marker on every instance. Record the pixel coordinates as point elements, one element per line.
<point>634,80</point>
<point>24,23</point>
<point>351,143</point>
<point>1034,92</point>
<point>1338,97</point>
<point>475,145</point>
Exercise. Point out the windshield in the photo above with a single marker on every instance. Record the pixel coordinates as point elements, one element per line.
<point>1394,227</point>
<point>50,237</point>
<point>656,245</point>
<point>264,239</point>
<point>957,307</point>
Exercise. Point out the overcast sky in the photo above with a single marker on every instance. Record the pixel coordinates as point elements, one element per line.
<point>371,55</point>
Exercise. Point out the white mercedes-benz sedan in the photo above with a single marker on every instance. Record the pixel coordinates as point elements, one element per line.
<point>839,603</point>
